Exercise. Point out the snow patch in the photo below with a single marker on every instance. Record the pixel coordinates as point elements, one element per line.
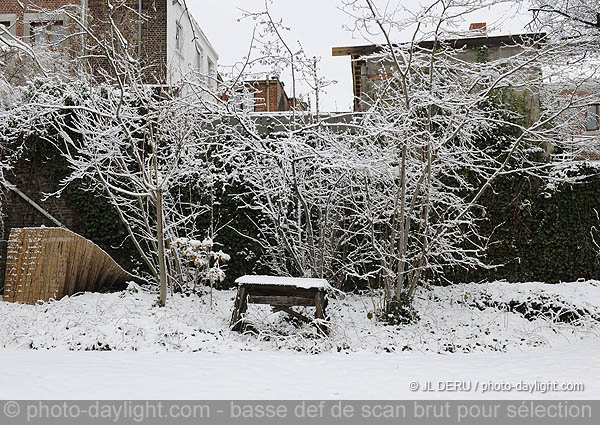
<point>298,282</point>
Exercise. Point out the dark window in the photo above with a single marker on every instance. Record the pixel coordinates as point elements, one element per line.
<point>4,27</point>
<point>179,37</point>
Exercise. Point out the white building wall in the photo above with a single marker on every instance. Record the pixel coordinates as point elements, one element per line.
<point>194,52</point>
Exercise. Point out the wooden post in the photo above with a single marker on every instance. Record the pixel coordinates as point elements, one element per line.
<point>321,304</point>
<point>241,305</point>
<point>293,313</point>
<point>27,199</point>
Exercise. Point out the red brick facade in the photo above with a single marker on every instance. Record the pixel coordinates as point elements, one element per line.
<point>20,7</point>
<point>270,96</point>
<point>153,31</point>
<point>153,46</point>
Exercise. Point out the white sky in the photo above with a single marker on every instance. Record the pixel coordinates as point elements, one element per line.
<point>319,26</point>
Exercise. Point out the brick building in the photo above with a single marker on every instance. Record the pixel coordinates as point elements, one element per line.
<point>367,73</point>
<point>269,95</point>
<point>169,41</point>
<point>26,19</point>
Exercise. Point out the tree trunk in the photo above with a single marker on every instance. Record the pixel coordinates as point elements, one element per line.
<point>401,245</point>
<point>162,270</point>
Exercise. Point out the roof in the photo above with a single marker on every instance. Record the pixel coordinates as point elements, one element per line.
<point>199,32</point>
<point>262,76</point>
<point>457,43</point>
<point>271,80</point>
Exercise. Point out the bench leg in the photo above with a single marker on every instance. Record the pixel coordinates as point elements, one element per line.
<point>241,305</point>
<point>293,313</point>
<point>320,311</point>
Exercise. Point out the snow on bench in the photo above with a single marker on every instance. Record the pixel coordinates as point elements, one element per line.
<point>297,282</point>
<point>282,293</point>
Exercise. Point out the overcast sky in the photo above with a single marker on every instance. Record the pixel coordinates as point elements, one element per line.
<point>319,26</point>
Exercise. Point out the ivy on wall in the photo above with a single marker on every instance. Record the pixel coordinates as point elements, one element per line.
<point>535,232</point>
<point>539,234</point>
<point>96,219</point>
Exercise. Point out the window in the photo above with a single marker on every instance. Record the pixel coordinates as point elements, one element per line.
<point>4,28</point>
<point>7,24</point>
<point>179,37</point>
<point>47,32</point>
<point>199,59</point>
<point>592,118</point>
<point>211,73</point>
<point>211,68</point>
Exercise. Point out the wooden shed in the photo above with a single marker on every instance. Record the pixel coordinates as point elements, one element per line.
<point>50,263</point>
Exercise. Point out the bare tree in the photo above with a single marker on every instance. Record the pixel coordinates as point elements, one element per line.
<point>426,121</point>
<point>573,15</point>
<point>391,195</point>
<point>145,147</point>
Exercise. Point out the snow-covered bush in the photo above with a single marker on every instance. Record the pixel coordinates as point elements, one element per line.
<point>207,262</point>
<point>454,319</point>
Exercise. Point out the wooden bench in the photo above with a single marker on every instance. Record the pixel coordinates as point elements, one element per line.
<point>282,293</point>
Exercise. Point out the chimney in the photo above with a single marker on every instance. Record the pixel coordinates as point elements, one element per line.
<point>478,27</point>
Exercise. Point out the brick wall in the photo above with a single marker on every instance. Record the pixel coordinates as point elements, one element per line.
<point>20,7</point>
<point>271,91</point>
<point>154,30</point>
<point>34,181</point>
<point>154,37</point>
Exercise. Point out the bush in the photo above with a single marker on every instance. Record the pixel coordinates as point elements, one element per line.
<point>400,312</point>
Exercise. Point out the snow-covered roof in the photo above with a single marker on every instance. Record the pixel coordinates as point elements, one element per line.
<point>201,33</point>
<point>298,282</point>
<point>262,76</point>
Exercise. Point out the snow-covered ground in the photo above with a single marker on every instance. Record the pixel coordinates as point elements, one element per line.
<point>119,346</point>
<point>287,375</point>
